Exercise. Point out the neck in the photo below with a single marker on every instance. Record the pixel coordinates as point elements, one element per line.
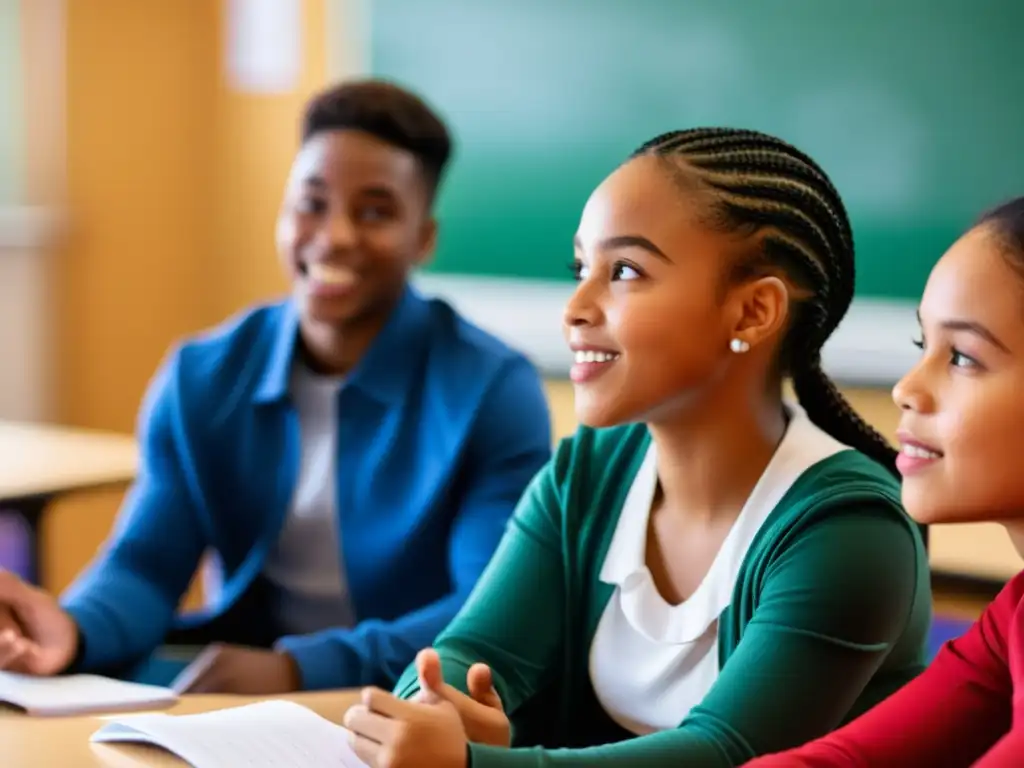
<point>334,349</point>
<point>711,456</point>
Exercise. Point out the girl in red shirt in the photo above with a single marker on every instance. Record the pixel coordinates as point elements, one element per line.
<point>961,434</point>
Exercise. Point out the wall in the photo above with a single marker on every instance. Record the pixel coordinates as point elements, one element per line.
<point>173,183</point>
<point>547,97</point>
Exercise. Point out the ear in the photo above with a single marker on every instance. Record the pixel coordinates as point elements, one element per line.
<point>762,307</point>
<point>428,241</point>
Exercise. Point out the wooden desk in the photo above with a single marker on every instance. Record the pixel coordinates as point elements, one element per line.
<point>39,462</point>
<point>34,742</point>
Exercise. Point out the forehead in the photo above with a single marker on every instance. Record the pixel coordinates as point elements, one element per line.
<point>973,280</point>
<point>354,158</point>
<point>640,197</point>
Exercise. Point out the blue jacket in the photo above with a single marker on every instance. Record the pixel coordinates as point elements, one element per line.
<point>444,427</point>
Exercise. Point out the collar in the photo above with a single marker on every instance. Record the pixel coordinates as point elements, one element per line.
<point>385,370</point>
<point>803,446</point>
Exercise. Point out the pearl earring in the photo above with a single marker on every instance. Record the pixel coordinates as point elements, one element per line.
<point>739,346</point>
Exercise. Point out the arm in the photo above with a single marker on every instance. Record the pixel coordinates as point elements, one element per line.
<point>125,601</point>
<point>949,715</point>
<point>510,443</point>
<point>513,619</point>
<point>830,609</point>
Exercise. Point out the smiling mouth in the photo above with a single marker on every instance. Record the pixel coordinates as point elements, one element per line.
<point>588,364</point>
<point>328,279</point>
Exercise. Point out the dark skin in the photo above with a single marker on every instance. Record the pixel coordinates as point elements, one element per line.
<point>652,294</point>
<point>355,219</point>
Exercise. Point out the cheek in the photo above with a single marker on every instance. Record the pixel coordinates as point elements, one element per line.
<point>980,475</point>
<point>287,234</point>
<point>670,337</point>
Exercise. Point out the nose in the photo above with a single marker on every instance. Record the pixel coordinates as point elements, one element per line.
<point>339,232</point>
<point>912,392</point>
<point>583,307</point>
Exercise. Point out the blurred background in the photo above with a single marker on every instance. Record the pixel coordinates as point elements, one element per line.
<point>144,145</point>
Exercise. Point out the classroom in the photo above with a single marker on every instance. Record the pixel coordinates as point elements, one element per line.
<point>141,180</point>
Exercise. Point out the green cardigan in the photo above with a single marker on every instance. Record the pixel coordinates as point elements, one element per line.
<point>829,615</point>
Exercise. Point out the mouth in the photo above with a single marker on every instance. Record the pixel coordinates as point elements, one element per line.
<point>325,279</point>
<point>590,362</point>
<point>915,456</point>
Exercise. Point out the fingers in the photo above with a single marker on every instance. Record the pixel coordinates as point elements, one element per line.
<point>383,703</point>
<point>13,591</point>
<point>480,682</point>
<point>370,725</point>
<point>367,750</point>
<point>428,669</point>
<point>13,647</point>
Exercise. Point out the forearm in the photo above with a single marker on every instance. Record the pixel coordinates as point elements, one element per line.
<point>121,618</point>
<point>372,653</point>
<point>667,749</point>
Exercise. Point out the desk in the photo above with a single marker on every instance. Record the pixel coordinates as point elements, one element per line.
<point>34,742</point>
<point>39,462</point>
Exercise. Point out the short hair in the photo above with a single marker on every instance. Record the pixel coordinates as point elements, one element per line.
<point>759,184</point>
<point>390,113</point>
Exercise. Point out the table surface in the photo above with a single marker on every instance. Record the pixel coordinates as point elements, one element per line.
<point>43,459</point>
<point>48,742</point>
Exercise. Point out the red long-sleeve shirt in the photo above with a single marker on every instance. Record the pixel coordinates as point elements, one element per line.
<point>966,709</point>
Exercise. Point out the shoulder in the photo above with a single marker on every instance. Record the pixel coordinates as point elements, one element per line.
<point>846,500</point>
<point>592,471</point>
<point>226,359</point>
<point>845,480</point>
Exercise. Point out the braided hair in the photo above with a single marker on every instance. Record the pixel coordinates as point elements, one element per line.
<point>762,186</point>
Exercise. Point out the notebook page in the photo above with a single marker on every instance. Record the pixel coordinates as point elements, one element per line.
<point>79,694</point>
<point>269,734</point>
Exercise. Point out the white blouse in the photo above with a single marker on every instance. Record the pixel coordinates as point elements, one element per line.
<point>652,662</point>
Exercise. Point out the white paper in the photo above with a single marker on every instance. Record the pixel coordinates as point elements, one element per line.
<point>270,734</point>
<point>79,694</point>
<point>264,45</point>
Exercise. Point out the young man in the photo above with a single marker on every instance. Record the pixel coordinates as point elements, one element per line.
<point>351,455</point>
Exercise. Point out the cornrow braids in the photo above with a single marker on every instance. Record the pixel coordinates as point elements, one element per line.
<point>764,186</point>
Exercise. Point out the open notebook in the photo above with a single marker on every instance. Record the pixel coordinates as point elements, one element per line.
<point>79,694</point>
<point>270,734</point>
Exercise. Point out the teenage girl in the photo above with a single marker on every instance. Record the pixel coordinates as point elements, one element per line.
<point>961,430</point>
<point>706,571</point>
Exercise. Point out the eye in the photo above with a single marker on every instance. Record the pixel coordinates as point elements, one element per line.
<point>919,343</point>
<point>577,269</point>
<point>959,360</point>
<point>624,271</point>
<point>314,206</point>
<point>375,213</point>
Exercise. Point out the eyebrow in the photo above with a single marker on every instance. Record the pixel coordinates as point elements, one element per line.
<point>957,324</point>
<point>375,191</point>
<point>627,241</point>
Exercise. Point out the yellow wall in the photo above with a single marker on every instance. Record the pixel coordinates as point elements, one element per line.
<point>172,186</point>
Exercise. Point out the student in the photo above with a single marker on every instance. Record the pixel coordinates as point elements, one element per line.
<point>731,575</point>
<point>352,455</point>
<point>960,432</point>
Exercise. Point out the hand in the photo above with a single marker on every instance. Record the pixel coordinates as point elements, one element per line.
<point>387,732</point>
<point>234,669</point>
<point>37,637</point>
<point>482,714</point>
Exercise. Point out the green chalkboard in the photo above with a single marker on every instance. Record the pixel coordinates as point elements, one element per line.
<point>914,107</point>
<point>11,182</point>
